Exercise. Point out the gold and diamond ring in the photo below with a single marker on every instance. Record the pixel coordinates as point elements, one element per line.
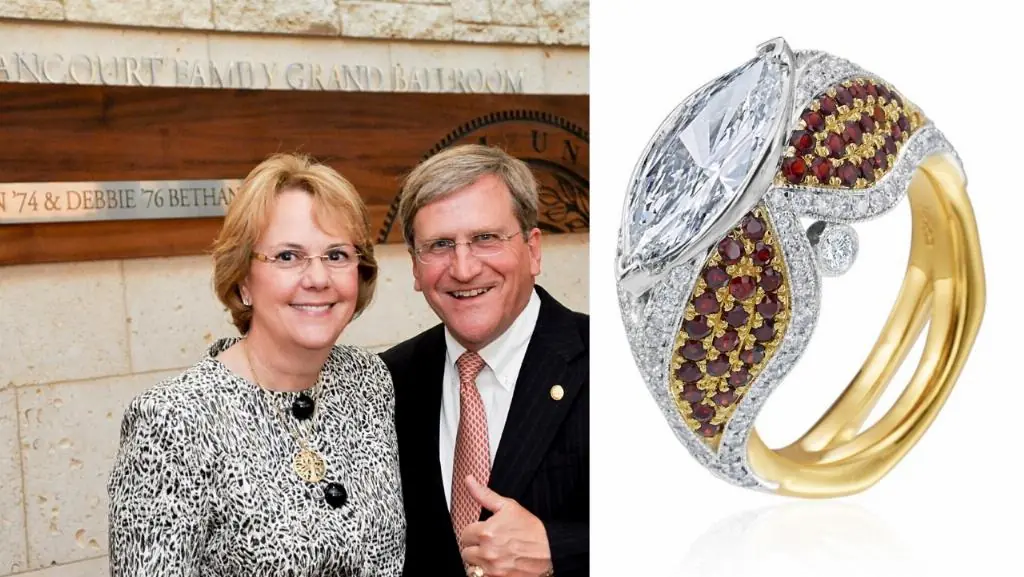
<point>719,282</point>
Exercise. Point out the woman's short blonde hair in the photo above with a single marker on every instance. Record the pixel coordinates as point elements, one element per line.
<point>337,207</point>
<point>460,166</point>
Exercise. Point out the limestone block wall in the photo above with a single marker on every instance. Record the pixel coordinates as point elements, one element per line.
<point>59,53</point>
<point>547,22</point>
<point>78,341</point>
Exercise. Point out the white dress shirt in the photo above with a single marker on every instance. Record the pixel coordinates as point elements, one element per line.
<point>496,383</point>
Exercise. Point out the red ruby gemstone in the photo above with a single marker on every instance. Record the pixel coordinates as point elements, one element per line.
<point>742,287</point>
<point>794,169</point>
<point>871,90</point>
<point>693,351</point>
<point>706,303</point>
<point>852,133</point>
<point>731,250</point>
<point>879,114</point>
<point>724,398</point>
<point>765,332</point>
<point>753,227</point>
<point>814,120</point>
<point>890,145</point>
<point>727,341</point>
<point>692,394</point>
<point>835,145</point>
<point>709,430</point>
<point>739,377</point>
<point>803,141</point>
<point>770,280</point>
<point>822,169</point>
<point>897,133</point>
<point>703,413</point>
<point>903,122</point>
<point>689,373</point>
<point>867,124</point>
<point>884,92</point>
<point>843,96</point>
<point>857,91</point>
<point>848,174</point>
<point>716,277</point>
<point>719,366</point>
<point>828,105</point>
<point>697,328</point>
<point>753,355</point>
<point>880,160</point>
<point>737,316</point>
<point>763,254</point>
<point>769,306</point>
<point>867,170</point>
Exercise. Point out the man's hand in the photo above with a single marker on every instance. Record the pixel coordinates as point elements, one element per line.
<point>512,543</point>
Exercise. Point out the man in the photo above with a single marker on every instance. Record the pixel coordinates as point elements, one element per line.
<point>492,404</point>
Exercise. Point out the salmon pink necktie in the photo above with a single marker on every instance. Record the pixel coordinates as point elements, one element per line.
<point>472,448</point>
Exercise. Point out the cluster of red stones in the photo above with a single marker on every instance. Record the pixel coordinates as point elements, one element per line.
<point>848,137</point>
<point>733,322</point>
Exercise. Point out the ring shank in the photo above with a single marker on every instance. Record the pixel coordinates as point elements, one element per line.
<point>945,287</point>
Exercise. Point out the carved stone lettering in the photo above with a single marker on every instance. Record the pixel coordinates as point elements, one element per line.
<point>155,70</point>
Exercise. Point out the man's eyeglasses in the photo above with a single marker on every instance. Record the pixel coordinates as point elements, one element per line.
<point>295,260</point>
<point>442,250</point>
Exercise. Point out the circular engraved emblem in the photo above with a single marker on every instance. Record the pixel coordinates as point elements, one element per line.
<point>556,150</point>
<point>310,466</point>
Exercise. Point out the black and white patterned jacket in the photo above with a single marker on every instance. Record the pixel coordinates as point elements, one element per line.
<point>203,483</point>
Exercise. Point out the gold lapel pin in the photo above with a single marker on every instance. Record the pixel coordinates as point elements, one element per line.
<point>557,392</point>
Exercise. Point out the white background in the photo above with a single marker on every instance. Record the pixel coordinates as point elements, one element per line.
<point>954,505</point>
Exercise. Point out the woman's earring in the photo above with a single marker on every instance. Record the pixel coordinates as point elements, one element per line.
<point>246,301</point>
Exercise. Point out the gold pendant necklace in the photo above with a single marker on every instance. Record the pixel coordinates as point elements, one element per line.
<point>307,463</point>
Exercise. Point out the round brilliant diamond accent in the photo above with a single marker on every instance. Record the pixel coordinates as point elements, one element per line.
<point>835,247</point>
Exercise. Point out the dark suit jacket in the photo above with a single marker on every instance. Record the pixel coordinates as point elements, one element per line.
<point>543,459</point>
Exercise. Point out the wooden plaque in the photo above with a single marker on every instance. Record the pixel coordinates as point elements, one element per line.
<point>57,134</point>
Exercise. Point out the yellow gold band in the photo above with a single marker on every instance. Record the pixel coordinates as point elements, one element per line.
<point>944,287</point>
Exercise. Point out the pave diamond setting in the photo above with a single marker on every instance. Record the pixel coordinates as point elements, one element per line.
<point>702,160</point>
<point>657,320</point>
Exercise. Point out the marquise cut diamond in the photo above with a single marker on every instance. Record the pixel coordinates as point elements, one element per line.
<point>700,161</point>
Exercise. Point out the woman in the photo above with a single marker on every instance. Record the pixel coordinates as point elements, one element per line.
<point>276,453</point>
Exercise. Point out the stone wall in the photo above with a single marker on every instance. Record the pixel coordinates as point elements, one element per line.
<point>547,22</point>
<point>52,52</point>
<point>78,341</point>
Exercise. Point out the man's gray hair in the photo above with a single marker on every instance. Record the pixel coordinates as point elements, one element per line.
<point>460,166</point>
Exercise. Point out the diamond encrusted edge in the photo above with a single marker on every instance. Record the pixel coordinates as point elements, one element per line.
<point>864,204</point>
<point>651,334</point>
<point>805,57</point>
<point>817,72</point>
